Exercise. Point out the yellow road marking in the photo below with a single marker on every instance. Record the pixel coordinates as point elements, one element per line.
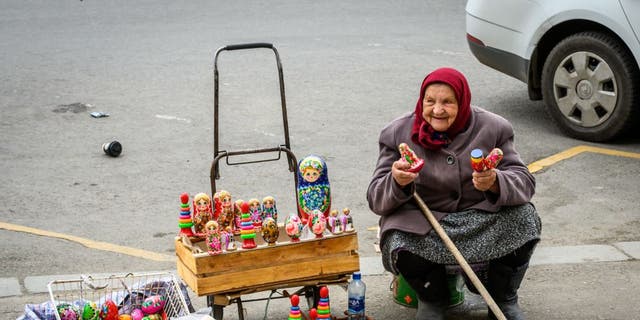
<point>571,152</point>
<point>105,246</point>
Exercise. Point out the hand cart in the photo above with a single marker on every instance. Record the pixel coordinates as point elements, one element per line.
<point>127,291</point>
<point>226,277</point>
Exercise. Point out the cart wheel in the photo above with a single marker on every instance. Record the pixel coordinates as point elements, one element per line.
<point>218,312</point>
<point>312,293</point>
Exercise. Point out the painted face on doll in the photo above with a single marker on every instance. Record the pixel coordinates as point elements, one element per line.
<point>226,201</point>
<point>254,205</point>
<point>202,205</point>
<point>440,106</point>
<point>268,203</point>
<point>311,174</point>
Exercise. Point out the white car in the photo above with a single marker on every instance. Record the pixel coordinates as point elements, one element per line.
<point>581,57</point>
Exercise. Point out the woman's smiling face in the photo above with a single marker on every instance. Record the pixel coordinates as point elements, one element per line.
<point>439,106</point>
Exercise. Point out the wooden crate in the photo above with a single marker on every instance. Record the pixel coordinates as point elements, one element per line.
<point>286,264</point>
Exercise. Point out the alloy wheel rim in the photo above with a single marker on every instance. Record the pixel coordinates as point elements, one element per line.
<point>585,90</point>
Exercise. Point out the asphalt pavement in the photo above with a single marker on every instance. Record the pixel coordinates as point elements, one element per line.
<point>570,282</point>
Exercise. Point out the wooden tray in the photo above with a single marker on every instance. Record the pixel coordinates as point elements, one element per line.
<point>286,264</point>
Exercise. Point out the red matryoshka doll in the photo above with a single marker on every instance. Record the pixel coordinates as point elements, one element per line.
<point>256,212</point>
<point>313,188</point>
<point>293,226</point>
<point>227,210</point>
<point>318,223</point>
<point>213,238</point>
<point>202,212</point>
<point>269,209</point>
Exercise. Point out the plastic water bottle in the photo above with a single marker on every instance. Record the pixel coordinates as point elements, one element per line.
<point>356,292</point>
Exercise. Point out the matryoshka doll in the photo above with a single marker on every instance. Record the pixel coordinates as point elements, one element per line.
<point>269,209</point>
<point>213,238</point>
<point>227,212</point>
<point>293,226</point>
<point>318,223</point>
<point>256,212</point>
<point>270,231</point>
<point>202,213</point>
<point>334,224</point>
<point>313,188</point>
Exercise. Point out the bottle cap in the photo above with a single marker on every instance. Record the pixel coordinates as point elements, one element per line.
<point>357,276</point>
<point>113,148</point>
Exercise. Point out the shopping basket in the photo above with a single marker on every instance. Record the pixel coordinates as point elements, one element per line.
<point>127,291</point>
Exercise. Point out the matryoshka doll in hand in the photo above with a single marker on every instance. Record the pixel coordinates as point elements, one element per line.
<point>202,213</point>
<point>313,188</point>
<point>213,238</point>
<point>269,209</point>
<point>270,231</point>
<point>293,226</point>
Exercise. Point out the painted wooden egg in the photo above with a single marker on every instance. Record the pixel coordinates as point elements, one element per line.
<point>125,317</point>
<point>109,311</point>
<point>153,304</point>
<point>293,226</point>
<point>90,311</point>
<point>68,311</point>
<point>270,231</point>
<point>155,316</point>
<point>137,314</point>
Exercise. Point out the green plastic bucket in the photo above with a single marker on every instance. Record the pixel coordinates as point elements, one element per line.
<point>404,295</point>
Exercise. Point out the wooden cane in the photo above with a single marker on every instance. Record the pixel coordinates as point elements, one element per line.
<point>459,258</point>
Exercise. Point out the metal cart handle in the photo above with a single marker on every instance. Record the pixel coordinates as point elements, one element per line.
<point>248,46</point>
<point>216,149</point>
<point>225,154</point>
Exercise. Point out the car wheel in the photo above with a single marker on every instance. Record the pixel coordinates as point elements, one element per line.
<point>590,86</point>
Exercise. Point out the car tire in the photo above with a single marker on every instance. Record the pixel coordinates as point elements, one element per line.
<point>590,86</point>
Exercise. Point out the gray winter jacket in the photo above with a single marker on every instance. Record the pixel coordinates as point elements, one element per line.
<point>444,183</point>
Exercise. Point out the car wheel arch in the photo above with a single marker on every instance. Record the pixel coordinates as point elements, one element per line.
<point>549,40</point>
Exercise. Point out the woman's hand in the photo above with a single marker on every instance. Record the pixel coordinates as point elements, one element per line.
<point>400,175</point>
<point>486,180</point>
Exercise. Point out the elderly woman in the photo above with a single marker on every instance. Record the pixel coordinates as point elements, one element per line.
<point>487,214</point>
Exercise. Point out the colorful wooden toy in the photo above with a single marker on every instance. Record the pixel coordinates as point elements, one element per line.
<point>247,232</point>
<point>202,213</point>
<point>67,311</point>
<point>407,155</point>
<point>184,222</point>
<point>237,215</point>
<point>294,311</point>
<point>314,192</point>
<point>324,309</point>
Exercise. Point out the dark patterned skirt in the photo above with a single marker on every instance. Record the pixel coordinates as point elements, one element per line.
<point>479,235</point>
